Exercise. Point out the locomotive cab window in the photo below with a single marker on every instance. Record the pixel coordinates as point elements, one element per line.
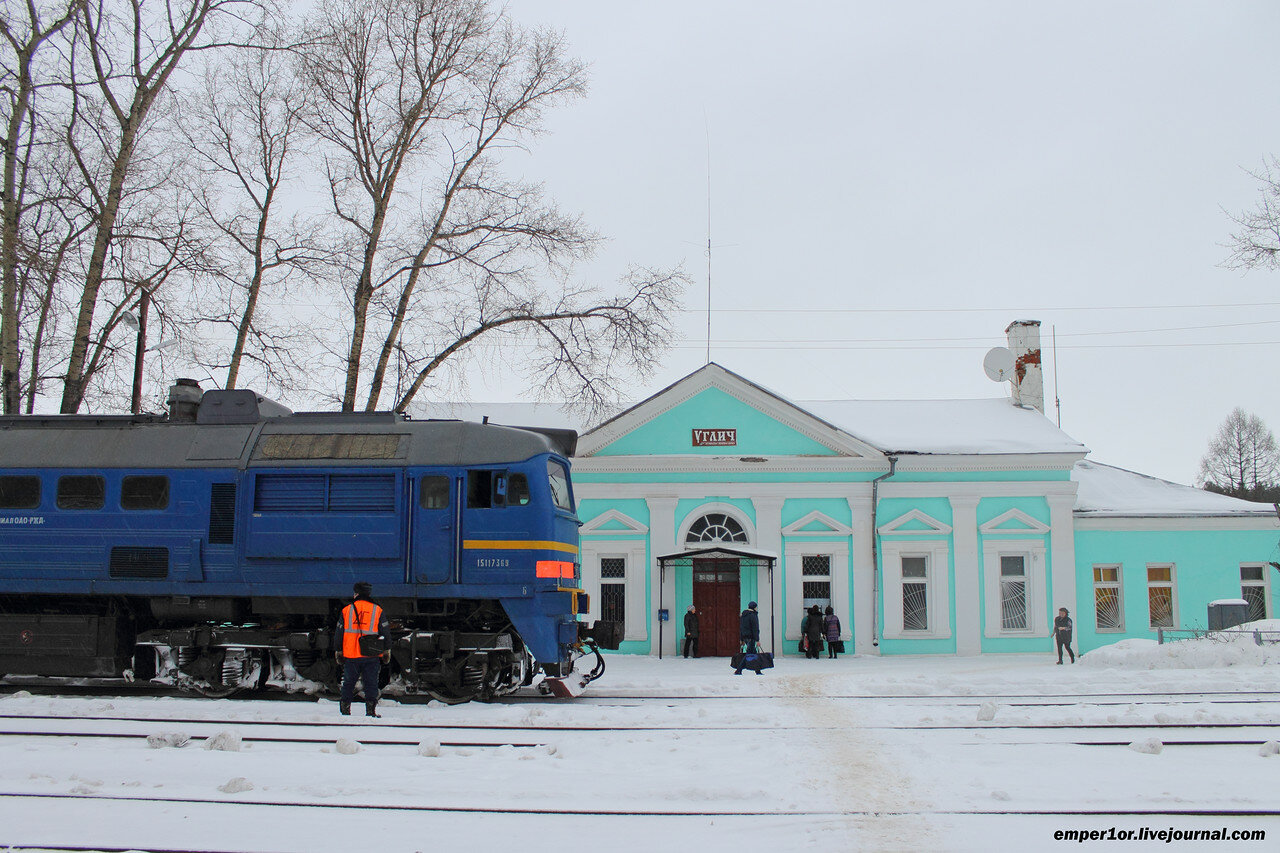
<point>81,493</point>
<point>558,476</point>
<point>433,492</point>
<point>144,493</point>
<point>517,490</point>
<point>479,489</point>
<point>19,492</point>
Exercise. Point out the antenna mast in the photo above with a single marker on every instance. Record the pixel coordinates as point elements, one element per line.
<point>1057,403</point>
<point>708,240</point>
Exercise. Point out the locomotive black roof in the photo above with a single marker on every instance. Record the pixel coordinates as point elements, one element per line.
<point>259,436</point>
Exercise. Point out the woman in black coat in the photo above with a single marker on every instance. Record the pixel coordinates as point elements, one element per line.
<point>813,632</point>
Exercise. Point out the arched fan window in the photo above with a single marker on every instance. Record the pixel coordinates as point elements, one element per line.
<point>716,527</point>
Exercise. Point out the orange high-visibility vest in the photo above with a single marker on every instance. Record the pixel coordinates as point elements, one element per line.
<point>359,618</point>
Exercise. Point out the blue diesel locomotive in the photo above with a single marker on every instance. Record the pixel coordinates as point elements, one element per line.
<point>212,549</point>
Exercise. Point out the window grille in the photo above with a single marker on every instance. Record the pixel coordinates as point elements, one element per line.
<point>915,594</point>
<point>613,596</point>
<point>716,527</point>
<point>816,587</point>
<point>1160,596</point>
<point>1253,589</point>
<point>222,514</point>
<point>1108,614</point>
<point>1013,593</point>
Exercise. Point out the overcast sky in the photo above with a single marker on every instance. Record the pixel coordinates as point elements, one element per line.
<point>893,183</point>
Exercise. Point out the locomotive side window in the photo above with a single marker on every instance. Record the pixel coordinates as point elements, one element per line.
<point>518,490</point>
<point>144,493</point>
<point>81,493</point>
<point>479,489</point>
<point>559,478</point>
<point>19,492</point>
<point>433,492</point>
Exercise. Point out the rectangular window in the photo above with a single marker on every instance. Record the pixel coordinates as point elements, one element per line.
<point>1160,599</point>
<point>433,492</point>
<point>613,589</point>
<point>144,493</point>
<point>558,477</point>
<point>19,492</point>
<point>1013,592</point>
<point>479,489</point>
<point>1253,589</point>
<point>816,572</point>
<point>915,594</point>
<point>81,492</point>
<point>1108,613</point>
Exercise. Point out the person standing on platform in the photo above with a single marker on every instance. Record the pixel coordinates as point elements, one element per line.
<point>691,631</point>
<point>831,627</point>
<point>361,618</point>
<point>749,632</point>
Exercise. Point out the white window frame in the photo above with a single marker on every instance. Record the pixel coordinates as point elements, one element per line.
<point>1265,583</point>
<point>938,588</point>
<point>1118,586</point>
<point>1173,593</point>
<point>1032,552</point>
<point>793,579</point>
<point>633,553</point>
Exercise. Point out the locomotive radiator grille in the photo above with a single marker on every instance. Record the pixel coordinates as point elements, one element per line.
<point>139,563</point>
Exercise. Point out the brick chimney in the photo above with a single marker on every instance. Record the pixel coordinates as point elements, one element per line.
<point>1028,381</point>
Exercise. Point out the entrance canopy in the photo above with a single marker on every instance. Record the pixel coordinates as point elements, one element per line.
<point>747,558</point>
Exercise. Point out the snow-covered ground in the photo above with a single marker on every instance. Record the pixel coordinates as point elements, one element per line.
<point>991,753</point>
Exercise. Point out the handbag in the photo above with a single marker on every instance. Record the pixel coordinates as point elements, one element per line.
<point>837,646</point>
<point>372,645</point>
<point>753,660</point>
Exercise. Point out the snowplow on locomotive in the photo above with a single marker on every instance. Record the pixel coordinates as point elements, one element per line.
<point>212,549</point>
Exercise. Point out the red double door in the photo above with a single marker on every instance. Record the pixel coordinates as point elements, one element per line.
<point>717,596</point>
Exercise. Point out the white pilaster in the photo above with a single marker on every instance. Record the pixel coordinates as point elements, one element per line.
<point>968,562</point>
<point>769,535</point>
<point>864,571</point>
<point>1062,550</point>
<point>662,540</point>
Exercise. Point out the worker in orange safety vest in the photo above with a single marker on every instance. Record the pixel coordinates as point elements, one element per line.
<point>360,618</point>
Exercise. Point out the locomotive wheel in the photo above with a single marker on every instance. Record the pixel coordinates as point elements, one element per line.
<point>450,698</point>
<point>213,691</point>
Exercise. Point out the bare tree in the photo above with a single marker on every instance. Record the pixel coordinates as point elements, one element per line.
<point>244,127</point>
<point>23,33</point>
<point>125,55</point>
<point>417,99</point>
<point>1243,460</point>
<point>1256,242</point>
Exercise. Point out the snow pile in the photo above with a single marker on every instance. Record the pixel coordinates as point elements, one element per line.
<point>987,711</point>
<point>168,739</point>
<point>228,741</point>
<point>347,747</point>
<point>1236,647</point>
<point>429,749</point>
<point>236,786</point>
<point>1270,748</point>
<point>1149,746</point>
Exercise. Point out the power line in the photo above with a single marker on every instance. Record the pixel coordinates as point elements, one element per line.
<point>1005,310</point>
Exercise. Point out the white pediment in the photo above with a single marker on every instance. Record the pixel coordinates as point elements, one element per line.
<point>788,415</point>
<point>914,523</point>
<point>1014,521</point>
<point>613,522</point>
<point>816,524</point>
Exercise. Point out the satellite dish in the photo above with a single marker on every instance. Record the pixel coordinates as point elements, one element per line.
<point>998,365</point>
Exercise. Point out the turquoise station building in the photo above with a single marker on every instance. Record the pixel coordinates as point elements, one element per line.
<point>950,527</point>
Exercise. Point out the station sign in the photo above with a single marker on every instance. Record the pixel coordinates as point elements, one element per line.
<point>715,438</point>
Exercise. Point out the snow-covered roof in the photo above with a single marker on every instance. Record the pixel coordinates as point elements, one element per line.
<point>1105,490</point>
<point>985,426</point>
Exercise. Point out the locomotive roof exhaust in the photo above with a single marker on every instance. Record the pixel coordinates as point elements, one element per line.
<point>184,401</point>
<point>189,405</point>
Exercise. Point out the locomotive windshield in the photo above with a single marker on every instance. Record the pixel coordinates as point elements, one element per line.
<point>558,475</point>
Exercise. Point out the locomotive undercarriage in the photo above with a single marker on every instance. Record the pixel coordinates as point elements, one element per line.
<point>459,651</point>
